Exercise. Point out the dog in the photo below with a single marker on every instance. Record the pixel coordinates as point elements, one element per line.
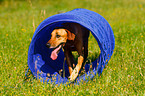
<point>70,37</point>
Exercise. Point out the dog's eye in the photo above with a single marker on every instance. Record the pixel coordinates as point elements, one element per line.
<point>57,36</point>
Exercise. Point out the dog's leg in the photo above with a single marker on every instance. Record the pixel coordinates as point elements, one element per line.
<point>68,56</point>
<point>75,72</point>
<point>72,60</point>
<point>80,50</point>
<point>85,51</point>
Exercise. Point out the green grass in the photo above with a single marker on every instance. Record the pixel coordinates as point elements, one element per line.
<point>125,72</point>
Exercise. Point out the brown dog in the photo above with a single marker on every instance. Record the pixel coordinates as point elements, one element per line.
<point>72,37</point>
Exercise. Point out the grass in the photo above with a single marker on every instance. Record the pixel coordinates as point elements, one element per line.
<point>124,74</point>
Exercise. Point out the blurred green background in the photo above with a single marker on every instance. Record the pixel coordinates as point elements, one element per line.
<point>124,74</point>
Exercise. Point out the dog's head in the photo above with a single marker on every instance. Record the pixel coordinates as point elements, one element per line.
<point>58,40</point>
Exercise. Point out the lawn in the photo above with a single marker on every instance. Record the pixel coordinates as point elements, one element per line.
<point>123,75</point>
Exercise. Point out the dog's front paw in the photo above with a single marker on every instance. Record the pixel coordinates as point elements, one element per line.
<point>74,75</point>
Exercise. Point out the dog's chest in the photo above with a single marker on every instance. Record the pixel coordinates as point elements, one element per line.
<point>70,45</point>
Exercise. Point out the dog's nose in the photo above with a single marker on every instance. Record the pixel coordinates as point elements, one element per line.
<point>47,45</point>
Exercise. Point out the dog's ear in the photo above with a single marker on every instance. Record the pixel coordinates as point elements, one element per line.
<point>70,36</point>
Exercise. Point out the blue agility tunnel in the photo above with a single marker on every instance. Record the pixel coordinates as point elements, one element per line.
<point>48,70</point>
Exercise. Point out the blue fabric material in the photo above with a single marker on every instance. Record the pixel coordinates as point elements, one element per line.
<point>39,61</point>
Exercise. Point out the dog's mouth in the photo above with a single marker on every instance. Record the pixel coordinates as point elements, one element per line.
<point>55,52</point>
